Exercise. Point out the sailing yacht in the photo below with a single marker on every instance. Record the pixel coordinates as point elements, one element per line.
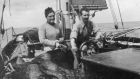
<point>118,58</point>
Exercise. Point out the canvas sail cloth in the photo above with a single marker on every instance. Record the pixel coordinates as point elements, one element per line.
<point>90,4</point>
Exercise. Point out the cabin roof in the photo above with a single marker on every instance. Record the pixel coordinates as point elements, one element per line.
<point>91,7</point>
<point>90,4</point>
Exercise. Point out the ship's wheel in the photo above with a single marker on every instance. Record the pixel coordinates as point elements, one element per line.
<point>88,48</point>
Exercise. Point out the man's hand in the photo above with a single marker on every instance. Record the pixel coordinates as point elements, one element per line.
<point>73,45</point>
<point>57,44</point>
<point>74,49</point>
<point>62,46</point>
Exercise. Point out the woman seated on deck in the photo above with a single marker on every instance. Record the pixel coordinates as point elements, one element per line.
<point>50,34</point>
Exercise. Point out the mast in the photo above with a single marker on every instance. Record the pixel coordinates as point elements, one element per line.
<point>65,17</point>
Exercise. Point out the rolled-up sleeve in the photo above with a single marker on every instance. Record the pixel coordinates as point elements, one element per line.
<point>43,39</point>
<point>74,32</point>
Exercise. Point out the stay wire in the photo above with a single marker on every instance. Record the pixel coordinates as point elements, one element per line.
<point>7,36</point>
<point>120,14</point>
<point>113,14</point>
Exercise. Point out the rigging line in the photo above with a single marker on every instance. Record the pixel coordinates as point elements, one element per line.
<point>15,52</point>
<point>57,5</point>
<point>10,7</point>
<point>13,32</point>
<point>2,30</point>
<point>120,14</point>
<point>113,14</point>
<point>60,4</point>
<point>7,36</point>
<point>112,11</point>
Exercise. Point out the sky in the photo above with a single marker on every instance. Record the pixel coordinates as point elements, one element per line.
<point>30,13</point>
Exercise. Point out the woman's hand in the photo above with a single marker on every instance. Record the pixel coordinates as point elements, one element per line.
<point>61,40</point>
<point>62,46</point>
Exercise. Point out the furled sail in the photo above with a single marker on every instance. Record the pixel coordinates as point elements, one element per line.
<point>90,4</point>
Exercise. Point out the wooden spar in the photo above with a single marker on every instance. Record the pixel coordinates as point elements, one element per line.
<point>1,22</point>
<point>123,33</point>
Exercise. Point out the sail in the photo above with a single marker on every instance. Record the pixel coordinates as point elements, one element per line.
<point>90,4</point>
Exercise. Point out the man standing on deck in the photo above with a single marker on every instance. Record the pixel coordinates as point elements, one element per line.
<point>81,31</point>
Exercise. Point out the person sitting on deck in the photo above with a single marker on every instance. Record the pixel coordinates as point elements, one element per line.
<point>80,32</point>
<point>50,34</point>
<point>51,37</point>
